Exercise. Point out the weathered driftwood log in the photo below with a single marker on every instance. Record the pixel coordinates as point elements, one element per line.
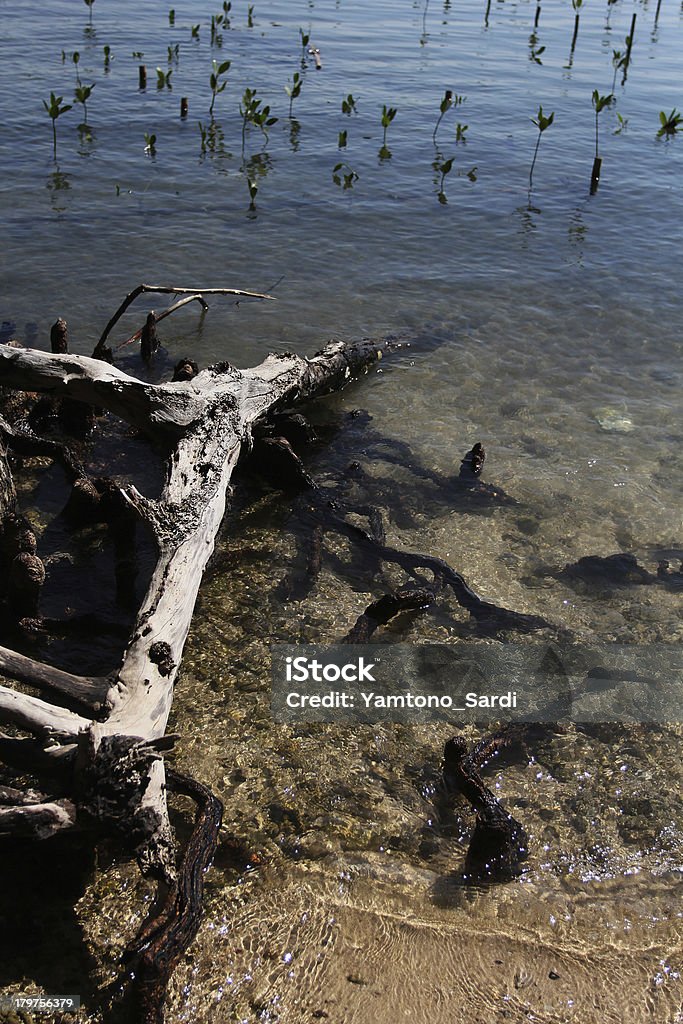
<point>119,775</point>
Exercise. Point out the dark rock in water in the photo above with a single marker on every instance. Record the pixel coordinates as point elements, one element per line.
<point>473,461</point>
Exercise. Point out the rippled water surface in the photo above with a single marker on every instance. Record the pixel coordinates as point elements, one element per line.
<point>546,324</point>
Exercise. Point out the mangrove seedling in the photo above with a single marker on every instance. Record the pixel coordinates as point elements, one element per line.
<point>137,55</point>
<point>294,90</point>
<point>348,105</point>
<point>342,140</point>
<point>618,61</point>
<point>444,169</point>
<point>669,125</point>
<point>623,124</point>
<point>55,109</point>
<point>577,5</point>
<point>171,17</point>
<point>195,31</point>
<point>388,115</point>
<point>215,82</point>
<point>253,189</point>
<point>75,57</point>
<point>107,57</point>
<point>460,130</point>
<point>88,4</point>
<point>164,79</point>
<point>174,53</point>
<point>216,37</point>
<point>599,104</point>
<point>250,16</point>
<point>251,112</point>
<point>542,122</point>
<point>227,5</point>
<point>444,107</point>
<point>150,144</point>
<point>82,95</point>
<point>344,176</point>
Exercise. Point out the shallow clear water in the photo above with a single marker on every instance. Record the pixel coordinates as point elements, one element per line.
<point>546,325</point>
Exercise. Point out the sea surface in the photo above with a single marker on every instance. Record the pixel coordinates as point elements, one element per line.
<point>544,322</point>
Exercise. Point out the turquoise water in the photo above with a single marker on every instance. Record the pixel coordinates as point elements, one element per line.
<point>547,325</point>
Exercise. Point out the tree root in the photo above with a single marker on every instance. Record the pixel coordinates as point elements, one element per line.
<point>164,938</point>
<point>498,842</point>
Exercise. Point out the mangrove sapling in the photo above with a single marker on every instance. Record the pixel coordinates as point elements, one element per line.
<point>444,169</point>
<point>599,104</point>
<point>82,95</point>
<point>669,124</point>
<point>629,45</point>
<point>388,115</point>
<point>542,123</point>
<point>444,107</point>
<point>348,105</point>
<point>164,79</point>
<point>55,109</point>
<point>214,81</point>
<point>251,112</point>
<point>216,36</point>
<point>577,5</point>
<point>618,61</point>
<point>294,90</point>
<point>344,176</point>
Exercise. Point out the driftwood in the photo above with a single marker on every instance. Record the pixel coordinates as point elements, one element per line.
<point>111,751</point>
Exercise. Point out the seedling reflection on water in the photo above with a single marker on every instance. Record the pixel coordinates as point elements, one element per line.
<point>55,109</point>
<point>669,124</point>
